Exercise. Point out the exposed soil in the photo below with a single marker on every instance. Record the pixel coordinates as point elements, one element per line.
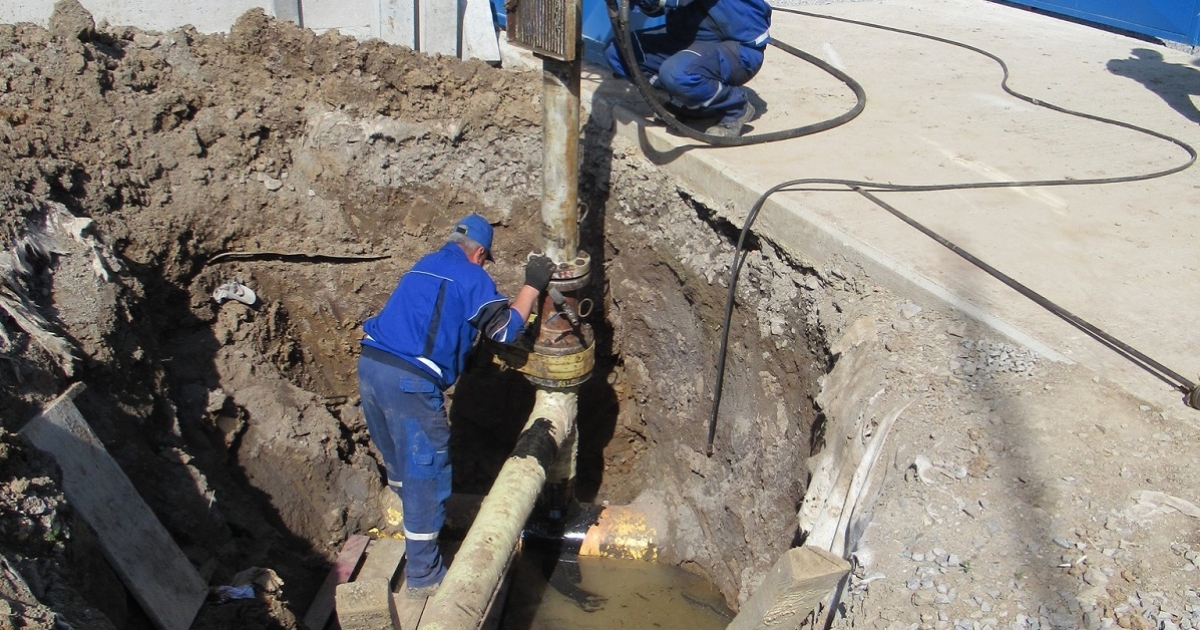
<point>1012,492</point>
<point>130,159</point>
<point>239,425</point>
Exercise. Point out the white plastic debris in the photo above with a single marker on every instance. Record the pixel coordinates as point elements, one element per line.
<point>235,290</point>
<point>923,465</point>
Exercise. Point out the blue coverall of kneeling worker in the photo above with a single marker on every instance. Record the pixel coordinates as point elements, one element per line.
<point>701,56</point>
<point>413,351</point>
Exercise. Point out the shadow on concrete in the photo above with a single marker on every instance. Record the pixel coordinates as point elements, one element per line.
<point>1175,83</point>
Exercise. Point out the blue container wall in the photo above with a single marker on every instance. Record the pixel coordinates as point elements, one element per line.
<point>1175,20</point>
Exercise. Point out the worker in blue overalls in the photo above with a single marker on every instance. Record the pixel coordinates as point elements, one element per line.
<point>701,56</point>
<point>413,351</point>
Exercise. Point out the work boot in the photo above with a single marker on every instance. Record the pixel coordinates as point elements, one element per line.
<point>731,125</point>
<point>423,592</point>
<point>694,118</point>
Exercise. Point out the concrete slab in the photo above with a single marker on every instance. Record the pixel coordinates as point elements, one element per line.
<point>801,580</point>
<point>1121,256</point>
<point>438,27</point>
<point>478,33</point>
<point>365,605</point>
<point>396,22</point>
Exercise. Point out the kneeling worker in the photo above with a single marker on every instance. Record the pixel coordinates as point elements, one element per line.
<point>413,351</point>
<point>702,56</point>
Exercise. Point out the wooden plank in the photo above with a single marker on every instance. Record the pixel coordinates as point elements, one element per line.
<point>801,579</point>
<point>383,558</point>
<point>367,602</point>
<point>133,540</point>
<point>348,560</point>
<point>408,610</point>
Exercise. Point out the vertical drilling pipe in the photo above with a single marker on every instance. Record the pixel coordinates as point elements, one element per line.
<point>560,223</point>
<point>466,594</point>
<point>469,588</point>
<point>560,161</point>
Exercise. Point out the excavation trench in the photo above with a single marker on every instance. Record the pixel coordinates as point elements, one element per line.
<point>330,166</point>
<point>641,416</point>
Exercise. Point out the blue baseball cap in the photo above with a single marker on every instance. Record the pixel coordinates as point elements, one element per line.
<point>477,229</point>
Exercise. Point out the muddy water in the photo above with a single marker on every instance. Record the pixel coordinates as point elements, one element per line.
<point>616,594</point>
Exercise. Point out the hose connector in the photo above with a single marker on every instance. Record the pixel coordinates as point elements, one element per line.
<point>1193,397</point>
<point>560,302</point>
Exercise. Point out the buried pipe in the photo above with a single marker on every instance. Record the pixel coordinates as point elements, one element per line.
<point>470,585</point>
<point>622,532</point>
<point>626,533</point>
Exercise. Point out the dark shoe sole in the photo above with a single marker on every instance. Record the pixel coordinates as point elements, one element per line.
<point>733,128</point>
<point>424,592</point>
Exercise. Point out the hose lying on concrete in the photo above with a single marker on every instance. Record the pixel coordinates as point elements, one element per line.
<point>1189,389</point>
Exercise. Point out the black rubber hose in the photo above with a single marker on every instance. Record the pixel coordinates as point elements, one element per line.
<point>618,13</point>
<point>1190,389</point>
<point>1164,373</point>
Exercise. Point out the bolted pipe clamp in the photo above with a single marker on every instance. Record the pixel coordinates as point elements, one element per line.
<point>552,371</point>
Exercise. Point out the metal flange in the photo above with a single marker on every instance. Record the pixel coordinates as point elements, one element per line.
<point>573,275</point>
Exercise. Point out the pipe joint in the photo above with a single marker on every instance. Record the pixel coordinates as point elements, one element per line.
<point>537,441</point>
<point>545,367</point>
<point>574,274</point>
<point>564,352</point>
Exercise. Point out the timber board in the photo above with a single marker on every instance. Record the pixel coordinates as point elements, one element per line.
<point>139,548</point>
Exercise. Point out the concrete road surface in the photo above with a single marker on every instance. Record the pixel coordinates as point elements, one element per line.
<point>1122,256</point>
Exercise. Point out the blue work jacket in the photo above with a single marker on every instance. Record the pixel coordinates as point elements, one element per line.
<point>743,21</point>
<point>434,315</point>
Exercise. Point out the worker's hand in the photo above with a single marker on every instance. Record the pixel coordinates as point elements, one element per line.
<point>538,271</point>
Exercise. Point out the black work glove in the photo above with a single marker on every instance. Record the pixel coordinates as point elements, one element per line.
<point>538,271</point>
<point>651,8</point>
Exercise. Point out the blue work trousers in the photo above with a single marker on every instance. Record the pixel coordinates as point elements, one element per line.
<point>406,416</point>
<point>701,76</point>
